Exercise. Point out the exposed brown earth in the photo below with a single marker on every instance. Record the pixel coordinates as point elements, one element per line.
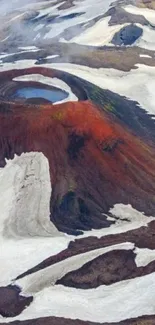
<point>96,154</point>
<point>121,16</point>
<point>150,4</point>
<point>146,4</point>
<point>121,58</point>
<point>112,267</point>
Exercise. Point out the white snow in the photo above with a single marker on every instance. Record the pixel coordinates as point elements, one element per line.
<point>52,56</point>
<point>38,27</point>
<point>145,56</point>
<point>149,14</point>
<point>26,234</point>
<point>99,34</point>
<point>28,198</point>
<point>4,39</point>
<point>144,256</point>
<point>28,48</point>
<point>19,255</point>
<point>147,40</point>
<point>17,17</point>
<point>21,64</point>
<point>88,12</point>
<point>137,84</point>
<point>25,49</point>
<point>113,303</point>
<point>128,219</point>
<point>48,8</point>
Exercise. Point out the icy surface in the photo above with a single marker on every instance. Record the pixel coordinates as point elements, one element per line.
<point>129,298</point>
<point>27,235</point>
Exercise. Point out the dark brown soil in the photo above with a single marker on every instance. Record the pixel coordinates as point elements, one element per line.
<point>11,302</point>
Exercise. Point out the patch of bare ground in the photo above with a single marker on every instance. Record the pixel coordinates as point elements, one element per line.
<point>150,4</point>
<point>112,267</point>
<point>121,58</point>
<point>146,4</point>
<point>11,302</point>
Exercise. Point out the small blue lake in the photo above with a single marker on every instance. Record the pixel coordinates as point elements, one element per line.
<point>32,92</point>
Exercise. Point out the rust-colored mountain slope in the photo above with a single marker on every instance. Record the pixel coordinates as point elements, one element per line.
<point>94,162</point>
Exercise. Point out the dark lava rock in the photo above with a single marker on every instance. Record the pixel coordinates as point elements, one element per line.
<point>111,267</point>
<point>37,101</point>
<point>127,35</point>
<point>74,214</point>
<point>11,302</point>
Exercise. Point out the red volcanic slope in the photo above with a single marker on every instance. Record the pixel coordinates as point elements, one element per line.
<point>90,155</point>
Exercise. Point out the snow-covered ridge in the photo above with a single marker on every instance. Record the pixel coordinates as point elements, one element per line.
<point>25,226</point>
<point>137,84</point>
<point>25,197</point>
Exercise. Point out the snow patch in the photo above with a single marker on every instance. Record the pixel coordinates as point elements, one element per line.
<point>98,35</point>
<point>52,56</point>
<point>144,256</point>
<point>86,8</point>
<point>126,218</point>
<point>147,40</point>
<point>137,84</point>
<point>27,195</point>
<point>113,303</point>
<point>149,14</point>
<point>26,234</point>
<point>145,56</point>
